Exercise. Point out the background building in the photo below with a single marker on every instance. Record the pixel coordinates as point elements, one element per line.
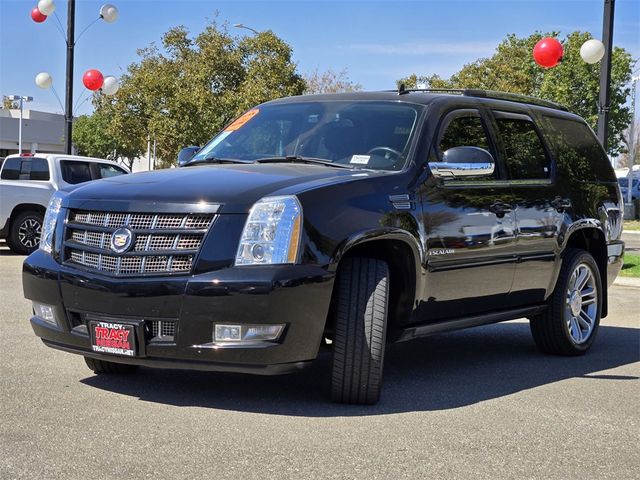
<point>41,131</point>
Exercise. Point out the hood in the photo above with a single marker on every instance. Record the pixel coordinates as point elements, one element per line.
<point>236,187</point>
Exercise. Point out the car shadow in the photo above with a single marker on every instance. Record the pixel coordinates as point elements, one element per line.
<point>434,373</point>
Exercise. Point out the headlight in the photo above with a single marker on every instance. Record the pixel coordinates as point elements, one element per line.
<point>50,218</point>
<point>272,232</point>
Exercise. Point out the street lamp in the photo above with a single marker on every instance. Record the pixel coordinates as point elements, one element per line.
<point>240,25</point>
<point>21,99</point>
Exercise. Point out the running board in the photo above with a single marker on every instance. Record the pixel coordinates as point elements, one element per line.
<point>466,322</point>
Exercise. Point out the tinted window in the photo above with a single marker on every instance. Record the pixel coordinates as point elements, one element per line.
<point>39,169</point>
<point>107,171</point>
<point>75,172</point>
<point>577,150</point>
<point>525,156</point>
<point>464,131</point>
<point>11,169</point>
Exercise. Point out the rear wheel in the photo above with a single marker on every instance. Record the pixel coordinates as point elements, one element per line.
<point>24,234</point>
<point>360,330</point>
<point>570,324</point>
<point>102,366</point>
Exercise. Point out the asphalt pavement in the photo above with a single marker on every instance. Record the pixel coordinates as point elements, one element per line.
<point>481,403</point>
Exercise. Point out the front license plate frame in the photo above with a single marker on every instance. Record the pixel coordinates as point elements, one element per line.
<point>113,338</point>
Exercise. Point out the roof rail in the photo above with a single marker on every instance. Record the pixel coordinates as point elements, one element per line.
<point>478,93</point>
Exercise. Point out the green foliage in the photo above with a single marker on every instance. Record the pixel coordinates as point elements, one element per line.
<point>186,91</point>
<point>573,83</point>
<point>90,136</point>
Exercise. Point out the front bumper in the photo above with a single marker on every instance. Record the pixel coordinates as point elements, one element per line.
<point>295,295</point>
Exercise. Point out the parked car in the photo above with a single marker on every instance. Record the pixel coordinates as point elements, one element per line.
<point>26,184</point>
<point>635,187</point>
<point>343,222</point>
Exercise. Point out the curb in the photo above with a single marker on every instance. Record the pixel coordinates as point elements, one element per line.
<point>631,232</point>
<point>627,282</point>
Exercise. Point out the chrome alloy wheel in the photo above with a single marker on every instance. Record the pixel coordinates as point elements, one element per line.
<point>581,306</point>
<point>29,233</point>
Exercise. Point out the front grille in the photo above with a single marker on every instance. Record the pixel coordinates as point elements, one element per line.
<point>162,243</point>
<point>163,329</point>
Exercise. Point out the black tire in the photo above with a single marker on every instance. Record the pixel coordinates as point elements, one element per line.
<point>24,233</point>
<point>102,366</point>
<point>362,297</point>
<point>552,330</point>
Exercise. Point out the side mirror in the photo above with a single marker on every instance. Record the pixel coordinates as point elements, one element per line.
<point>463,162</point>
<point>187,154</point>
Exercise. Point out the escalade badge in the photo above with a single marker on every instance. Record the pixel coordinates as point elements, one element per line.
<point>121,240</point>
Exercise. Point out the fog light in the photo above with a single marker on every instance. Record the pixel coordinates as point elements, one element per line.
<point>45,312</point>
<point>228,333</point>
<point>246,333</point>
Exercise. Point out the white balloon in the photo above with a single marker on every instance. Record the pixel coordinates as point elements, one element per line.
<point>110,85</point>
<point>46,7</point>
<point>44,80</point>
<point>109,13</point>
<point>592,51</point>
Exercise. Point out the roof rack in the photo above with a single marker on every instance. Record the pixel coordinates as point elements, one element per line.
<point>478,93</point>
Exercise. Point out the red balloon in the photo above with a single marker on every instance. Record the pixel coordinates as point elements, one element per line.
<point>37,16</point>
<point>92,79</point>
<point>548,52</point>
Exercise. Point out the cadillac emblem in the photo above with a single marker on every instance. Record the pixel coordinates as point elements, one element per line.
<point>121,240</point>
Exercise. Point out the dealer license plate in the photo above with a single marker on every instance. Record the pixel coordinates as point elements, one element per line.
<point>113,338</point>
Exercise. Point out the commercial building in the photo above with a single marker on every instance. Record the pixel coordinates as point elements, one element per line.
<point>41,131</point>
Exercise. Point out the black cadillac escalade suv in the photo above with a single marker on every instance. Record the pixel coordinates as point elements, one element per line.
<point>345,221</point>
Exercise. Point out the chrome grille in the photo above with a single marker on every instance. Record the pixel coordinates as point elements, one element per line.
<point>163,243</point>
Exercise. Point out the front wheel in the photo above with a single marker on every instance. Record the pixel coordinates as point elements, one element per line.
<point>102,366</point>
<point>360,330</point>
<point>24,235</point>
<point>570,323</point>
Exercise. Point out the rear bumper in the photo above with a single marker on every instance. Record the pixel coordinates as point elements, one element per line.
<point>297,296</point>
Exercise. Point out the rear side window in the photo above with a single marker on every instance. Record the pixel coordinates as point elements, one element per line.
<point>106,170</point>
<point>11,169</point>
<point>26,169</point>
<point>525,156</point>
<point>577,150</point>
<point>74,172</point>
<point>39,169</point>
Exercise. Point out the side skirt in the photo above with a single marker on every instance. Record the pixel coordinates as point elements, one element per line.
<point>466,322</point>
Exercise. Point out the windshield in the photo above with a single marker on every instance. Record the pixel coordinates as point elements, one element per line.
<point>375,135</point>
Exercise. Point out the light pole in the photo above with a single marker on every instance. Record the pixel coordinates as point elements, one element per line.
<point>21,99</point>
<point>605,72</point>
<point>240,25</point>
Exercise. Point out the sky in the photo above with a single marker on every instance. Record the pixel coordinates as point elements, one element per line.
<point>377,42</point>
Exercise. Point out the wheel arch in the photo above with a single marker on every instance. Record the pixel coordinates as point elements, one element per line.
<point>26,207</point>
<point>403,255</point>
<point>589,236</point>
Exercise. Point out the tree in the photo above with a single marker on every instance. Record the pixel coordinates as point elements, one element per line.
<point>572,83</point>
<point>329,81</point>
<point>184,92</point>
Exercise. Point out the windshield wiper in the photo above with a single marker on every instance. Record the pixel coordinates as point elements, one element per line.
<point>300,159</point>
<point>200,161</point>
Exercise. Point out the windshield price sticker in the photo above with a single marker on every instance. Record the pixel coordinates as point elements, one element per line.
<point>113,338</point>
<point>360,159</point>
<point>240,121</point>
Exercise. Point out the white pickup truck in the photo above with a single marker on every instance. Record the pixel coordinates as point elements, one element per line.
<point>27,182</point>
